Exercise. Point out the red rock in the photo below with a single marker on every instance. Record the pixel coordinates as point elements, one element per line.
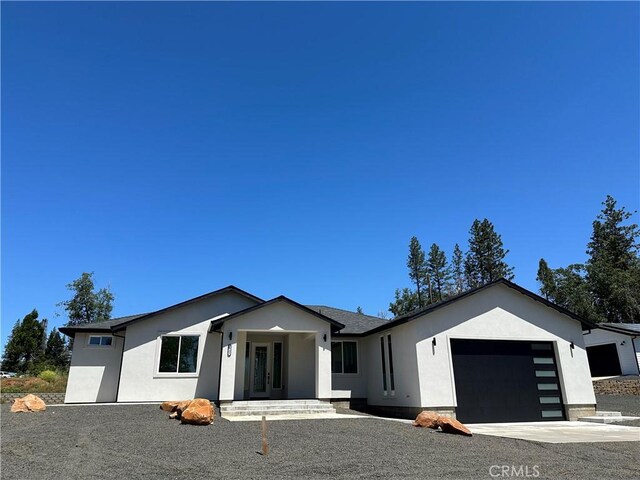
<point>199,412</point>
<point>169,406</point>
<point>426,419</point>
<point>28,403</point>
<point>451,425</point>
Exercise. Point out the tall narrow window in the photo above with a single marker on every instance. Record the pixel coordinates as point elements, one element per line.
<point>391,380</point>
<point>277,365</point>
<point>336,357</point>
<point>384,366</point>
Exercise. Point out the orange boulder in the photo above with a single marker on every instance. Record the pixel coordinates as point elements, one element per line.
<point>199,412</point>
<point>450,425</point>
<point>426,419</point>
<point>28,403</point>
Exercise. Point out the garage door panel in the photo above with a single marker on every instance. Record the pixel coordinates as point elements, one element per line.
<point>505,381</point>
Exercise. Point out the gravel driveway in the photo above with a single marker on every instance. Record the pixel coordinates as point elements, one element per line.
<point>139,441</point>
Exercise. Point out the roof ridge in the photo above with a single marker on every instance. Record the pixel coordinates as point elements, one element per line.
<point>348,311</point>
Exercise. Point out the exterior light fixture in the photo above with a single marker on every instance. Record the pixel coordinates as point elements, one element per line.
<point>572,346</point>
<point>324,337</point>
<point>433,342</point>
<point>230,335</point>
<point>623,342</point>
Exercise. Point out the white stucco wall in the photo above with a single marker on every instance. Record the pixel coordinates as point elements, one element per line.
<point>626,352</point>
<point>309,356</point>
<point>497,313</point>
<point>351,385</point>
<point>406,389</point>
<point>140,380</point>
<point>93,375</point>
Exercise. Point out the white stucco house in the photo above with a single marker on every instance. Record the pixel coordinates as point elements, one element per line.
<point>496,353</point>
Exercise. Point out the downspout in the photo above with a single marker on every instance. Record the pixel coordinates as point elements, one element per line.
<point>120,369</point>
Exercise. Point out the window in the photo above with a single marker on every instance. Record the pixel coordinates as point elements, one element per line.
<point>277,365</point>
<point>384,366</point>
<point>387,365</point>
<point>100,340</point>
<point>178,354</point>
<point>344,357</point>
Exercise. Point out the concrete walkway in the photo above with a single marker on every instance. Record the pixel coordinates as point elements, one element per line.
<point>559,432</point>
<point>302,416</point>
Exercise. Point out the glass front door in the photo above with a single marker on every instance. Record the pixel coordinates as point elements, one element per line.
<point>260,372</point>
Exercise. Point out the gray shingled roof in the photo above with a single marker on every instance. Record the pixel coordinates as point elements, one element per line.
<point>100,326</point>
<point>354,322</point>
<point>625,326</point>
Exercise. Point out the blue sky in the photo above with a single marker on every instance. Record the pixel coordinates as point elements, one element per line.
<point>294,148</point>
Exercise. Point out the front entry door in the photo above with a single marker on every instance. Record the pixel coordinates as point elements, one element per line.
<point>260,370</point>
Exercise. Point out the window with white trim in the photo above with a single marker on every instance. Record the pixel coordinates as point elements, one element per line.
<point>100,340</point>
<point>178,353</point>
<point>344,356</point>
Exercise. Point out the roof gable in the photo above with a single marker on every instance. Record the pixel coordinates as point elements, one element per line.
<point>216,325</point>
<point>502,281</point>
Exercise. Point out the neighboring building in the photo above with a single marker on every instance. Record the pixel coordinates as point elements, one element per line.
<point>495,353</point>
<point>614,349</point>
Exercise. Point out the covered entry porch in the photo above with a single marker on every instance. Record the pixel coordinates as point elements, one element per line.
<point>274,351</point>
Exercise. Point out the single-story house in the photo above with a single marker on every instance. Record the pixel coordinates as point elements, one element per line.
<point>613,349</point>
<point>495,353</point>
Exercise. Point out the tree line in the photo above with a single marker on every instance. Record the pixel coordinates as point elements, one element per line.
<point>605,288</point>
<point>436,278</point>
<point>29,350</point>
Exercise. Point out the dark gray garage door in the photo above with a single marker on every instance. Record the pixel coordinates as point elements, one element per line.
<point>604,360</point>
<point>505,381</point>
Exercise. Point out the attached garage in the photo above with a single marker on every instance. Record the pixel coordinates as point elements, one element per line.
<point>506,381</point>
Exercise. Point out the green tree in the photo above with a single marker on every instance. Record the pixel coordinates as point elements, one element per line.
<point>457,271</point>
<point>56,353</point>
<point>613,267</point>
<point>25,349</point>
<point>405,301</point>
<point>418,271</point>
<point>568,288</point>
<point>86,305</point>
<point>438,272</point>
<point>547,280</point>
<point>484,262</point>
<point>359,310</point>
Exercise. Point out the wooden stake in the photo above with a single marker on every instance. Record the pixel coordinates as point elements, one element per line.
<point>265,446</point>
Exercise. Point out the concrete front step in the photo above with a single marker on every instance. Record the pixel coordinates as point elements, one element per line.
<point>603,413</point>
<point>311,401</point>
<point>604,419</point>
<point>275,407</point>
<point>247,413</point>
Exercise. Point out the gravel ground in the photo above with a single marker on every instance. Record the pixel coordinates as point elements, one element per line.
<point>139,441</point>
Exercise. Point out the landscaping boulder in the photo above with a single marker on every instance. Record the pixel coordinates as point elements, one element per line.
<point>28,403</point>
<point>199,412</point>
<point>169,406</point>
<point>451,425</point>
<point>426,419</point>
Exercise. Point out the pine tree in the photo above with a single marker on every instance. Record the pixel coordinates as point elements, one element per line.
<point>613,267</point>
<point>546,279</point>
<point>86,305</point>
<point>56,353</point>
<point>405,301</point>
<point>418,272</point>
<point>457,271</point>
<point>484,262</point>
<point>24,349</point>
<point>438,271</point>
